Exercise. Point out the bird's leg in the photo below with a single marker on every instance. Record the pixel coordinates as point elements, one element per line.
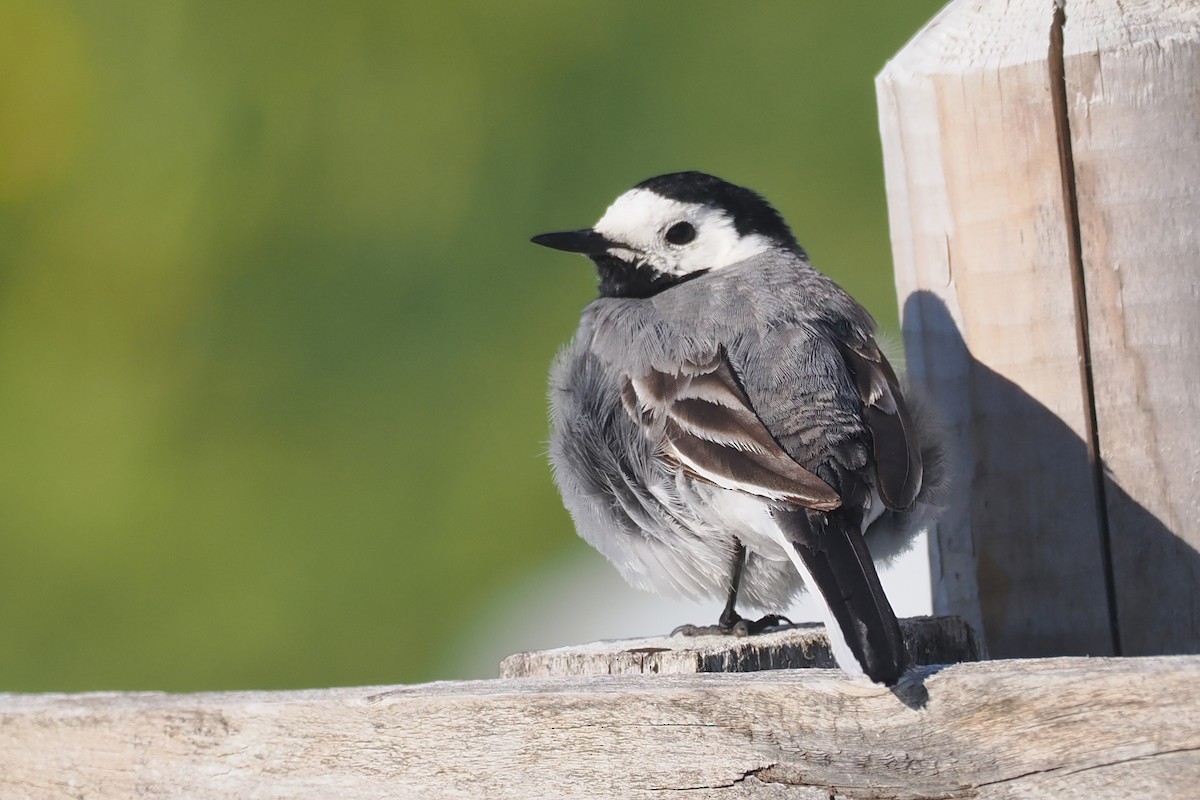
<point>730,622</point>
<point>729,617</point>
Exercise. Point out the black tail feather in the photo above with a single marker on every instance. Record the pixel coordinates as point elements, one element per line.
<point>837,558</point>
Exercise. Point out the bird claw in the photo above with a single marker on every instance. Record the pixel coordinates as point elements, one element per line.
<point>739,627</point>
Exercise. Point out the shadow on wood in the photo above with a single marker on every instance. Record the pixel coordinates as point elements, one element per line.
<point>1042,594</point>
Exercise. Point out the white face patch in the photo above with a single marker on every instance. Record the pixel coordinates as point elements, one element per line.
<point>641,218</point>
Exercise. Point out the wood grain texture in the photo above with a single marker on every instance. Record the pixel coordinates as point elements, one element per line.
<point>1133,93</point>
<point>980,235</point>
<point>1063,728</point>
<point>929,640</point>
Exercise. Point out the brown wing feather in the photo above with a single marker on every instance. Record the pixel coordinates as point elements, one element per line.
<point>896,447</point>
<point>711,430</point>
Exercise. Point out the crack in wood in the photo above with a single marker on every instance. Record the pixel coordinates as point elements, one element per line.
<point>1062,125</point>
<point>1131,760</point>
<point>772,774</point>
<point>1066,770</point>
<point>753,773</point>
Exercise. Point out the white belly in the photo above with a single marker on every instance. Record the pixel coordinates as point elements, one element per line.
<point>750,520</point>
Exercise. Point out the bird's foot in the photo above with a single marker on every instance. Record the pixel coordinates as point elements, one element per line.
<point>733,627</point>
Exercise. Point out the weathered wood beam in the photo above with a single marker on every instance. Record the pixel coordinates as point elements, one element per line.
<point>1063,728</point>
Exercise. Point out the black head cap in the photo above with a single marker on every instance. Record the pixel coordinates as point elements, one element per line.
<point>748,210</point>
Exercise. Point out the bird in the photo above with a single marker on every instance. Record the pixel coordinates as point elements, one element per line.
<point>724,424</point>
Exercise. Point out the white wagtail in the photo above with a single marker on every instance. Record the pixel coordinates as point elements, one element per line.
<point>724,423</point>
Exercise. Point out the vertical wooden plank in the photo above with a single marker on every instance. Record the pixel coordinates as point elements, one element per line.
<point>1133,81</point>
<point>980,231</point>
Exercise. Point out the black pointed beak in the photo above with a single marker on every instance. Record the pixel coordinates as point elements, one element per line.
<point>586,241</point>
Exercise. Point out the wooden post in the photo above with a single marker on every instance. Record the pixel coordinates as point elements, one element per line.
<point>1043,179</point>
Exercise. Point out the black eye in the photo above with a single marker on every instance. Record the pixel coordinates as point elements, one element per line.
<point>681,233</point>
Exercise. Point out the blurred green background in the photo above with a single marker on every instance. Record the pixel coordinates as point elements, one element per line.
<point>273,341</point>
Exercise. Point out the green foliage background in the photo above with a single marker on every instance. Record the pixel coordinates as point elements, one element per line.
<point>272,340</point>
